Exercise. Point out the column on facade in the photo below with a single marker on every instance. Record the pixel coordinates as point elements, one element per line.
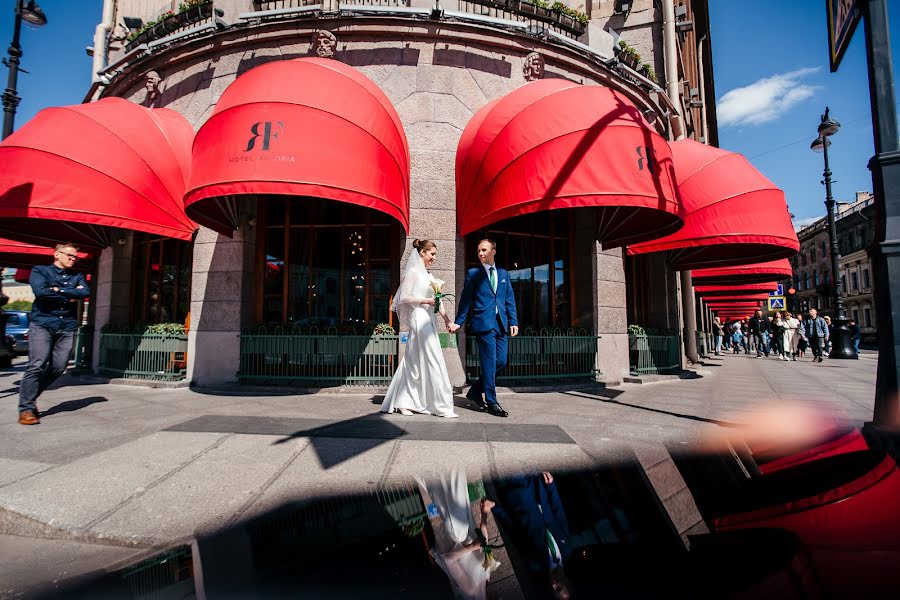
<point>111,296</point>
<point>222,297</point>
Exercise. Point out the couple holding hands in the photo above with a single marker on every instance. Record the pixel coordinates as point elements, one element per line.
<point>421,383</point>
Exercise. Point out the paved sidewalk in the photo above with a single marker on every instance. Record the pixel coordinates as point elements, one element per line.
<point>116,469</point>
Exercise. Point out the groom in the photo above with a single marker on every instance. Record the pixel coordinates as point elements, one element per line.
<point>489,295</point>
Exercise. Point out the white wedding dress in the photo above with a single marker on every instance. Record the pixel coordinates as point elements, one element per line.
<point>421,383</point>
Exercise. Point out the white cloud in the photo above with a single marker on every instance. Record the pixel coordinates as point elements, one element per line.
<point>766,99</point>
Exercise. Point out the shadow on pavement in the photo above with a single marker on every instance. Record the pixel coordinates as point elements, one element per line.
<point>72,405</point>
<point>656,410</point>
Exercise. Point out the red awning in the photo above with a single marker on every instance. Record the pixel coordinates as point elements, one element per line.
<point>710,291</point>
<point>73,172</point>
<point>303,127</point>
<point>733,214</point>
<point>555,144</point>
<point>753,273</point>
<point>20,255</point>
<point>739,298</point>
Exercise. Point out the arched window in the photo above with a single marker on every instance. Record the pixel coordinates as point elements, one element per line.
<point>805,280</point>
<point>816,277</point>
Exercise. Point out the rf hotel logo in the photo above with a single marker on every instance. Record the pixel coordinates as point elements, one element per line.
<point>261,145</point>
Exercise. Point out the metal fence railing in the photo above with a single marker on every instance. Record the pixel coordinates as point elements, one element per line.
<point>321,360</point>
<point>143,355</point>
<point>83,347</point>
<point>166,575</point>
<point>654,354</point>
<point>542,358</point>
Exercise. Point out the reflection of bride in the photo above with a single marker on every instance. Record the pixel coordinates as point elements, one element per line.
<point>421,383</point>
<point>458,550</point>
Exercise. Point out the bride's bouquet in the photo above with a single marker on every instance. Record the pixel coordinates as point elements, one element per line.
<point>437,285</point>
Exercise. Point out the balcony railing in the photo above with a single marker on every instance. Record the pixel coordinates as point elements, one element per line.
<point>143,356</point>
<point>524,11</point>
<point>282,356</point>
<point>654,354</point>
<point>552,356</point>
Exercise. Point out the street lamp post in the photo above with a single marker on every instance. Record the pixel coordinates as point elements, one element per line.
<point>31,13</point>
<point>840,334</point>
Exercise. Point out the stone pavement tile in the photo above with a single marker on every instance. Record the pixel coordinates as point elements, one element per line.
<point>75,495</point>
<point>13,470</point>
<point>32,565</point>
<point>665,478</point>
<point>511,457</point>
<point>326,467</point>
<point>421,458</point>
<point>448,431</point>
<point>205,493</point>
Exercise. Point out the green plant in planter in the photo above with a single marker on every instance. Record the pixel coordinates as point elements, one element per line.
<point>183,6</point>
<point>636,330</point>
<point>165,329</point>
<point>580,17</point>
<point>558,7</point>
<point>384,329</point>
<point>541,4</point>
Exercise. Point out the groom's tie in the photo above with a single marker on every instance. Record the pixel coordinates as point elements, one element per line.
<point>493,280</point>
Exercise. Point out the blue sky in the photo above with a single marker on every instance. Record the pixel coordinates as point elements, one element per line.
<point>774,56</point>
<point>775,53</point>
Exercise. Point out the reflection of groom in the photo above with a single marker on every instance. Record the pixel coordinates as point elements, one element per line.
<point>488,294</point>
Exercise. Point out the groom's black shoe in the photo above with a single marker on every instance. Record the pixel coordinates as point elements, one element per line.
<point>477,400</point>
<point>497,410</point>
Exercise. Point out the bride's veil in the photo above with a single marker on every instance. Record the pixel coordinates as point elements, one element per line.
<point>405,299</point>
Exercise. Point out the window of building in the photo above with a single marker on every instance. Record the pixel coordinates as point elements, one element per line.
<point>816,277</point>
<point>535,250</point>
<point>854,314</point>
<point>824,248</point>
<point>326,263</point>
<point>866,282</point>
<point>797,281</point>
<point>827,278</point>
<point>812,255</point>
<point>805,280</point>
<point>844,282</point>
<point>854,281</point>
<point>867,314</point>
<point>161,282</point>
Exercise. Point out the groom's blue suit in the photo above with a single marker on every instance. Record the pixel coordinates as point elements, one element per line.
<point>493,313</point>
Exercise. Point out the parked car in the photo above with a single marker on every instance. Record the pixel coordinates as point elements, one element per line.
<point>17,322</point>
<point>7,343</point>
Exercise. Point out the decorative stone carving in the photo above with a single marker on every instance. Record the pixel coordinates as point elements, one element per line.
<point>324,43</point>
<point>533,68</point>
<point>152,84</point>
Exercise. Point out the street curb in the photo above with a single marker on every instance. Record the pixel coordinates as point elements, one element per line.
<point>16,523</point>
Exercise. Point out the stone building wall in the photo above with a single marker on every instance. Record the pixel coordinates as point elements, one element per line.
<point>436,81</point>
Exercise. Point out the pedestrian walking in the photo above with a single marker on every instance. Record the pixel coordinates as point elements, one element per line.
<point>57,291</point>
<point>745,333</point>
<point>816,329</point>
<point>778,335</point>
<point>759,326</point>
<point>802,342</point>
<point>736,336</point>
<point>791,325</point>
<point>855,335</point>
<point>718,334</point>
<point>828,341</point>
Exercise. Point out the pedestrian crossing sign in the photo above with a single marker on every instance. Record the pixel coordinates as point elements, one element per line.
<point>776,302</point>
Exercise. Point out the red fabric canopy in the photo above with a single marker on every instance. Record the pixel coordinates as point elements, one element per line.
<point>302,127</point>
<point>555,144</point>
<point>752,273</point>
<point>20,255</point>
<point>710,291</point>
<point>73,172</point>
<point>739,298</point>
<point>733,214</point>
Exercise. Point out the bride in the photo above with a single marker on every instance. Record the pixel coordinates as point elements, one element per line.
<point>421,383</point>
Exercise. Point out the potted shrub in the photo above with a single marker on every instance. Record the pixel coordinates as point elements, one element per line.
<point>541,8</point>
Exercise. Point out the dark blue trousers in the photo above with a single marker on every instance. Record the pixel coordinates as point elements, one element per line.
<point>493,349</point>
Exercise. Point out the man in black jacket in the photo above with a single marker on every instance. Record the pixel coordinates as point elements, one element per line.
<point>51,332</point>
<point>759,326</point>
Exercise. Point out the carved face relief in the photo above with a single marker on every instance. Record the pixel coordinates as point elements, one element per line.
<point>152,82</point>
<point>323,44</point>
<point>533,69</point>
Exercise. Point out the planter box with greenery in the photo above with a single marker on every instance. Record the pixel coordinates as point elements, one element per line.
<point>187,13</point>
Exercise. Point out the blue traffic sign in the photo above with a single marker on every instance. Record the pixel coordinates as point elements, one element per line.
<point>779,290</point>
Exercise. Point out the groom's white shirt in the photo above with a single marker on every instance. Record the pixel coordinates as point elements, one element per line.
<point>487,269</point>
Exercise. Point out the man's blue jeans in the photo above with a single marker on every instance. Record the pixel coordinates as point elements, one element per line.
<point>761,346</point>
<point>48,357</point>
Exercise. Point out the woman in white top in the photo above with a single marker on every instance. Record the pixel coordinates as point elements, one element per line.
<point>791,336</point>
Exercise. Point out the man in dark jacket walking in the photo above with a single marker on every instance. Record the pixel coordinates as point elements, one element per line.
<point>759,325</point>
<point>816,329</point>
<point>57,291</point>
